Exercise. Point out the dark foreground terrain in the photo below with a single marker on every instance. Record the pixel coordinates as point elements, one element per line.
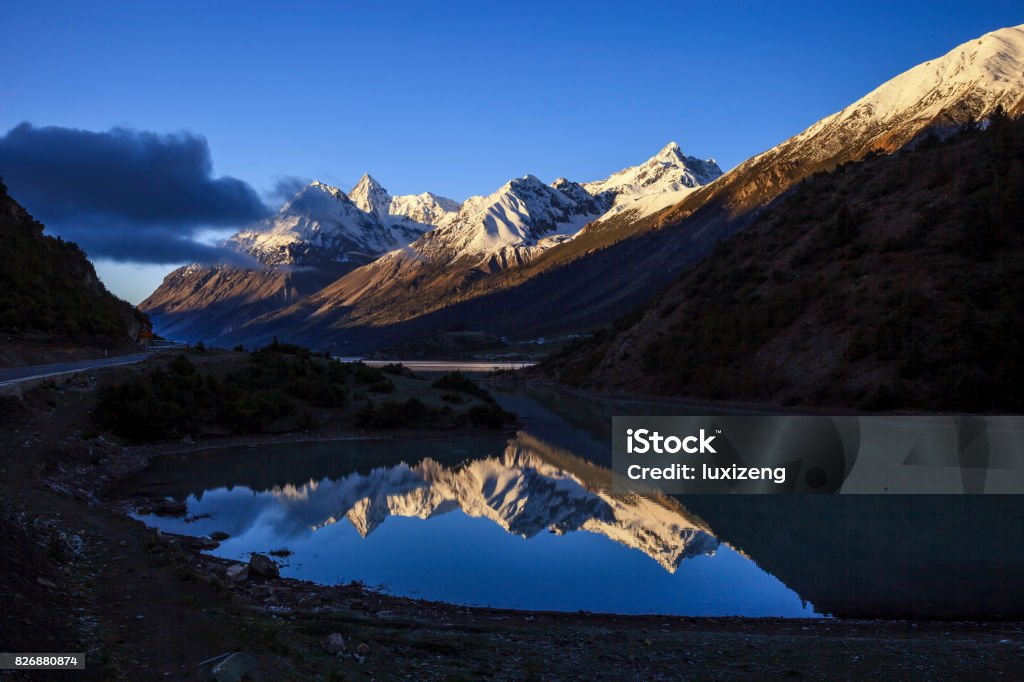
<point>80,575</point>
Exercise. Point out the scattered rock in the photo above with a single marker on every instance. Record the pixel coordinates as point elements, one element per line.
<point>264,592</point>
<point>234,668</point>
<point>219,536</point>
<point>169,507</point>
<point>333,643</point>
<point>197,543</point>
<point>237,573</point>
<point>263,566</point>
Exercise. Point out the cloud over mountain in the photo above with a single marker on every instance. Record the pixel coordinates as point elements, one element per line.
<point>126,194</point>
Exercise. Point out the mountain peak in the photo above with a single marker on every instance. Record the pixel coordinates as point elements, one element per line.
<point>528,180</point>
<point>370,196</point>
<point>367,181</point>
<point>668,171</point>
<point>323,187</point>
<point>670,152</point>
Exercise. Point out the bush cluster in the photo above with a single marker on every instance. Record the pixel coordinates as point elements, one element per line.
<point>457,381</point>
<point>179,401</point>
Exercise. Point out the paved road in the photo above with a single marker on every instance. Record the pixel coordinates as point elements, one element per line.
<point>15,375</point>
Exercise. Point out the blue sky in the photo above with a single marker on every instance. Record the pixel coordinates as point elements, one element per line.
<point>457,97</point>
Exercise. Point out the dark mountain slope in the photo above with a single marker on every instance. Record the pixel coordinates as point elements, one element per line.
<point>48,286</point>
<point>894,281</point>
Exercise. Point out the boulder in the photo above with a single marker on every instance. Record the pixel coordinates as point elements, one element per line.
<point>263,566</point>
<point>333,643</point>
<point>237,573</point>
<point>200,543</point>
<point>234,668</point>
<point>169,507</point>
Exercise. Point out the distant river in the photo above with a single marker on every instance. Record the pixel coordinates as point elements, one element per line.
<point>446,365</point>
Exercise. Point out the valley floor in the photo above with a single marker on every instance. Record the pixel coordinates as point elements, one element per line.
<point>80,575</point>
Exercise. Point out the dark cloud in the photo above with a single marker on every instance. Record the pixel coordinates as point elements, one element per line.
<point>285,187</point>
<point>154,244</point>
<point>126,194</point>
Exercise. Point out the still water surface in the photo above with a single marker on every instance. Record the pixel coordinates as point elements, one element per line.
<point>527,522</point>
<point>474,520</point>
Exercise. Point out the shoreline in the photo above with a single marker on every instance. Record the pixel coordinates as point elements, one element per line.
<point>143,603</point>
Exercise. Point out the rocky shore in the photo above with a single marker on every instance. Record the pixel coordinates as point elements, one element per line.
<point>81,575</point>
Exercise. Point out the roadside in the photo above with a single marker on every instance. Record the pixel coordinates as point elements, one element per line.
<point>82,576</point>
<point>21,350</point>
<point>14,375</point>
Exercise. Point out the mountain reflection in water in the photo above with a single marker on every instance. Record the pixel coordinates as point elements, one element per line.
<point>518,490</point>
<point>464,520</point>
<point>466,529</point>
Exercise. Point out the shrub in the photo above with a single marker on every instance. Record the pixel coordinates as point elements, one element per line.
<point>398,369</point>
<point>390,414</point>
<point>457,381</point>
<point>489,416</point>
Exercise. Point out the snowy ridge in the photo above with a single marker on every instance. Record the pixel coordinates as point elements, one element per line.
<point>975,77</point>
<point>518,215</point>
<point>518,490</point>
<point>323,220</point>
<point>417,212</point>
<point>662,181</point>
<point>427,209</point>
<point>667,171</point>
<point>967,83</point>
<point>525,216</point>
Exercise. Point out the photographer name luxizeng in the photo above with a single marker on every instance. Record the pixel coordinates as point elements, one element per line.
<point>642,441</point>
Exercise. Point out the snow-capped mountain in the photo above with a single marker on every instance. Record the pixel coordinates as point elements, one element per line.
<point>966,84</point>
<point>515,219</point>
<point>526,216</point>
<point>661,181</point>
<point>413,213</point>
<point>582,277</point>
<point>322,222</point>
<point>667,171</point>
<point>517,490</point>
<point>317,236</point>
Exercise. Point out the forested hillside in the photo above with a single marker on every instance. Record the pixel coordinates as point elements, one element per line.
<point>48,285</point>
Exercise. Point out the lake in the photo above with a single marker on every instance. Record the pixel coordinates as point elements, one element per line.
<point>474,520</point>
<point>528,522</point>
